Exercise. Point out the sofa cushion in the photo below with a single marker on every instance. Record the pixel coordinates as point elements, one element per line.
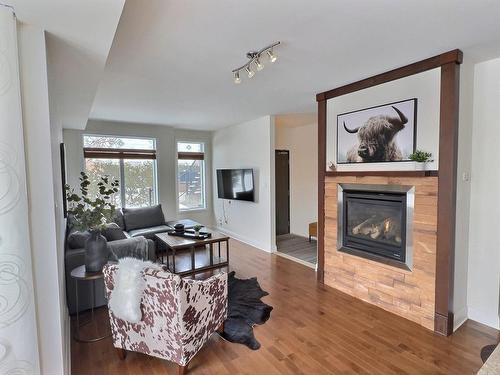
<point>75,254</point>
<point>77,239</point>
<point>143,217</point>
<point>149,232</point>
<point>113,232</point>
<point>118,218</point>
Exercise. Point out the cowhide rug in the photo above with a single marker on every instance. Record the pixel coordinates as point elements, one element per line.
<point>245,310</point>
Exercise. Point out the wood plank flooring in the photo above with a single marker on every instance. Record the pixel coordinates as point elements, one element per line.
<point>298,247</point>
<point>313,330</point>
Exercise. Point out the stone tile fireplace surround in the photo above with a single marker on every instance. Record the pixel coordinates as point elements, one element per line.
<point>424,293</point>
<point>409,293</point>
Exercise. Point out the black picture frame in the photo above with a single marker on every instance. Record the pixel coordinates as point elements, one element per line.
<point>62,154</point>
<point>413,133</point>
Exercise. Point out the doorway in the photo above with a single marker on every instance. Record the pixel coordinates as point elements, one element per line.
<point>282,158</point>
<point>296,187</point>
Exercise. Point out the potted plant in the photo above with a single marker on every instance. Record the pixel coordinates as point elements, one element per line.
<point>197,229</point>
<point>421,158</point>
<point>92,215</point>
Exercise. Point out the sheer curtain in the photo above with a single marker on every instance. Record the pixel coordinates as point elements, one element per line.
<point>18,329</point>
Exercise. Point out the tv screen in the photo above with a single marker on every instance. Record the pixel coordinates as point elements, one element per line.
<point>235,184</point>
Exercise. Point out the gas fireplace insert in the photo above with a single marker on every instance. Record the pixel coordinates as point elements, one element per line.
<point>375,222</point>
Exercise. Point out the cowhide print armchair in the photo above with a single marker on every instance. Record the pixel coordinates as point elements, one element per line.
<point>178,316</point>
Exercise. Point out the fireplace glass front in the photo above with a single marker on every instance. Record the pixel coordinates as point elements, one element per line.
<point>374,223</point>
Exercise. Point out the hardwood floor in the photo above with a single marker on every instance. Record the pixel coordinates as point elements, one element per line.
<point>313,330</point>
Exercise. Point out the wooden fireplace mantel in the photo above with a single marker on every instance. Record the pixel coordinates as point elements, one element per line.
<point>382,173</point>
<point>449,63</point>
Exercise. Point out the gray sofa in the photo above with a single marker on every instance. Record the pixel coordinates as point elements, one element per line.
<point>130,223</point>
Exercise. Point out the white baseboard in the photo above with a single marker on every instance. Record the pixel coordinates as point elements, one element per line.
<point>482,317</point>
<point>67,339</point>
<point>459,318</point>
<point>247,240</point>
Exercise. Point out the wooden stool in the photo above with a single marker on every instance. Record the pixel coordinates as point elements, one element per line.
<point>313,230</point>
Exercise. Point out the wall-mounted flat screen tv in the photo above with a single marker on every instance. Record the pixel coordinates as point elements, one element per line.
<point>235,184</point>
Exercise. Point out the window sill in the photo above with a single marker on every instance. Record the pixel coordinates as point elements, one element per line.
<point>192,210</point>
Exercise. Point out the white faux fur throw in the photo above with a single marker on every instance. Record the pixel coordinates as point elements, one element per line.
<point>125,301</point>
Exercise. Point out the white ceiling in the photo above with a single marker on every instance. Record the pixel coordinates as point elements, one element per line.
<point>171,61</point>
<point>79,37</point>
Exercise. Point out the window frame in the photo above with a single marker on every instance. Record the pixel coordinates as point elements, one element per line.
<point>122,154</point>
<point>197,156</point>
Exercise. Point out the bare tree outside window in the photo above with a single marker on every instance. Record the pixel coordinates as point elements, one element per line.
<point>137,177</point>
<point>97,168</point>
<point>191,176</point>
<point>102,142</point>
<point>139,183</point>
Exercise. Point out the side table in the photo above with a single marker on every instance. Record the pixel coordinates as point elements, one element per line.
<point>80,274</point>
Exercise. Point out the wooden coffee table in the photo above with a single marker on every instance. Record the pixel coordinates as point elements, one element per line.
<point>176,243</point>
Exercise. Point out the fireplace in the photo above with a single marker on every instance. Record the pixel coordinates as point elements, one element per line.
<point>375,222</point>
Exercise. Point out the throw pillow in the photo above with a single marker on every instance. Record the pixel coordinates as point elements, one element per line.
<point>118,218</point>
<point>77,239</point>
<point>143,217</point>
<point>113,232</point>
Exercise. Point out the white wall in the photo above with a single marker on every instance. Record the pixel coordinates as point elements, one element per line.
<point>459,304</point>
<point>166,138</point>
<point>248,145</point>
<point>302,142</point>
<point>18,327</point>
<point>424,86</point>
<point>484,249</point>
<point>52,315</point>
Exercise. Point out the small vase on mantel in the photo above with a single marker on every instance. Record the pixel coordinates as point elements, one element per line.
<point>96,252</point>
<point>420,166</point>
<point>420,159</point>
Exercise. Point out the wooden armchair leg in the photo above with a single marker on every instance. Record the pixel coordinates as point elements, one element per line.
<point>183,369</point>
<point>220,330</point>
<point>122,353</point>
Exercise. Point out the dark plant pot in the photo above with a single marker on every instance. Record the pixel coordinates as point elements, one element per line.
<point>96,252</point>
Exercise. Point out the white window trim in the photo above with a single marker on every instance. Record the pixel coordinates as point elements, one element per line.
<point>205,205</point>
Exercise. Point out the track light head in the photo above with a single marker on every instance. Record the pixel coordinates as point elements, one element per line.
<point>272,56</point>
<point>237,78</point>
<point>250,72</point>
<point>258,64</point>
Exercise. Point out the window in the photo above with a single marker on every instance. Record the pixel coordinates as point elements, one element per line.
<point>191,175</point>
<point>132,161</point>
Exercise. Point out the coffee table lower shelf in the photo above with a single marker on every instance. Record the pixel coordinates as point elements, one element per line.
<point>176,244</point>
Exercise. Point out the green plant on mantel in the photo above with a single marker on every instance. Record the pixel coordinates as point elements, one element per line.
<point>420,156</point>
<point>92,214</point>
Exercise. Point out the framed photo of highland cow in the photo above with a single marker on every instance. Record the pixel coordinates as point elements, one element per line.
<point>384,133</point>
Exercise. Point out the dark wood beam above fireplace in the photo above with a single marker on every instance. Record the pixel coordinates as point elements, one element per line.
<point>451,57</point>
<point>383,173</point>
<point>449,63</point>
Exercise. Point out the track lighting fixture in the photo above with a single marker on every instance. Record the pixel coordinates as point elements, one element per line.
<point>255,57</point>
